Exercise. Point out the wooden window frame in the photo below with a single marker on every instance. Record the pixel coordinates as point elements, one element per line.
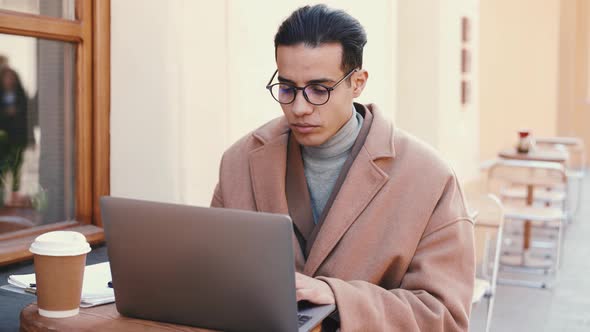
<point>90,33</point>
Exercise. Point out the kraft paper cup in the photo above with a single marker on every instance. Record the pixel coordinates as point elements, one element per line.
<point>60,258</point>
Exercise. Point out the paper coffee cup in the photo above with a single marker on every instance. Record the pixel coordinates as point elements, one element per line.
<point>60,258</point>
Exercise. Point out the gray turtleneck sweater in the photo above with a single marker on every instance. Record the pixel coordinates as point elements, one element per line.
<point>322,163</point>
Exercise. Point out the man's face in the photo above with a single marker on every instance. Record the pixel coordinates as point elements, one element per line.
<point>300,65</point>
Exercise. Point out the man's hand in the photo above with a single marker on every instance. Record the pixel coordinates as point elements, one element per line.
<point>313,290</point>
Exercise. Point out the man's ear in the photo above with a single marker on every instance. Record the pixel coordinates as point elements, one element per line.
<point>358,82</point>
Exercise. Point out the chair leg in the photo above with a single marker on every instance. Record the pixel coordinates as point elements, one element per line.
<point>489,312</point>
<point>574,207</point>
<point>579,188</point>
<point>558,248</point>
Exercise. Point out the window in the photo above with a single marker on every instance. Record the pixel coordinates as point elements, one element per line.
<point>54,8</point>
<point>54,112</point>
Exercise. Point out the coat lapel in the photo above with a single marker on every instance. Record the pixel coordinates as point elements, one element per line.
<point>364,180</point>
<point>298,197</point>
<point>362,183</point>
<point>267,171</point>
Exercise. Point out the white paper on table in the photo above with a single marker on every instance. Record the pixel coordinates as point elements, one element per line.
<point>95,288</point>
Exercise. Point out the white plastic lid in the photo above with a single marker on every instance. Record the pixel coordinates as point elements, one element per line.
<point>60,243</point>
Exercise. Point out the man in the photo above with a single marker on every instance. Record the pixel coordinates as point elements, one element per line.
<point>381,228</point>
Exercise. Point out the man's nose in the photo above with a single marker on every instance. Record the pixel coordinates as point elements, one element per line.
<point>301,106</point>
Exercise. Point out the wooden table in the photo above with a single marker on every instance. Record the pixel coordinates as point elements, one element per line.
<point>546,155</point>
<point>551,155</point>
<point>101,318</point>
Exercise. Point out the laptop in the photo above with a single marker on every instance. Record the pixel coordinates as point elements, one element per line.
<point>222,269</point>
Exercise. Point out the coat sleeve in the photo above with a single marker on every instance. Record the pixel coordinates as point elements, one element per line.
<point>217,200</point>
<point>435,293</point>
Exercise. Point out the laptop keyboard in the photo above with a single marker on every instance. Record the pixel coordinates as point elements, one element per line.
<point>302,319</point>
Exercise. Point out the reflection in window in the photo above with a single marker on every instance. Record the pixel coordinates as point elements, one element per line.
<point>53,8</point>
<point>36,132</point>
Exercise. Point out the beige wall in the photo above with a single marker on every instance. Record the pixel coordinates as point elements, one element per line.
<point>574,58</point>
<point>429,80</point>
<point>417,69</point>
<point>144,107</point>
<point>458,125</point>
<point>581,102</point>
<point>188,80</point>
<point>567,67</point>
<point>519,43</point>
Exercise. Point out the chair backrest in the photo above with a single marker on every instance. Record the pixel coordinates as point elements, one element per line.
<point>573,145</point>
<point>488,213</point>
<point>505,172</point>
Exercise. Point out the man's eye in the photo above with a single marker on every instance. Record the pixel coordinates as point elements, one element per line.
<point>318,89</point>
<point>285,89</point>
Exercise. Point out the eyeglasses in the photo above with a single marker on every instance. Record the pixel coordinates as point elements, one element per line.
<point>315,93</point>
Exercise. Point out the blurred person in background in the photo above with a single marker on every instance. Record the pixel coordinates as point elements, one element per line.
<point>13,131</point>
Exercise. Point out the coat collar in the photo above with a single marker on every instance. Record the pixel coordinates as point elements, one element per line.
<point>364,180</point>
<point>375,143</point>
<point>379,143</point>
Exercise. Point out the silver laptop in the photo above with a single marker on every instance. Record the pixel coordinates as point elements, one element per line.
<point>221,269</point>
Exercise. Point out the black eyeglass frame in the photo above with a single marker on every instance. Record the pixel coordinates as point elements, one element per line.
<point>302,89</point>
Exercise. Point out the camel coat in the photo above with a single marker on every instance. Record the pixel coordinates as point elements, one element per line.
<point>396,247</point>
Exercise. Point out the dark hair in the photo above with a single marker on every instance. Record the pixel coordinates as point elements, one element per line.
<point>16,127</point>
<point>18,86</point>
<point>317,25</point>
